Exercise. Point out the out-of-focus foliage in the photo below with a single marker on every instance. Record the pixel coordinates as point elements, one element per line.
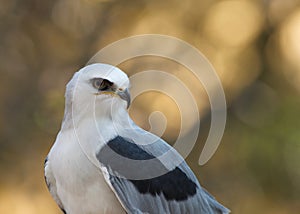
<point>254,46</point>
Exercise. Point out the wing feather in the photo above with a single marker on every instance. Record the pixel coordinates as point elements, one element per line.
<point>51,184</point>
<point>177,191</point>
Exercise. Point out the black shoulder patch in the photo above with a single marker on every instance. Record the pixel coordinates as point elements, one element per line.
<point>174,185</point>
<point>128,149</point>
<point>46,180</point>
<point>45,161</point>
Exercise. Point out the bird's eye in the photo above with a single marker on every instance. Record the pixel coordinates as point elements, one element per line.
<point>101,84</point>
<point>97,83</point>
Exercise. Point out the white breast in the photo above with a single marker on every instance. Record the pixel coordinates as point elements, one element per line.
<point>81,186</point>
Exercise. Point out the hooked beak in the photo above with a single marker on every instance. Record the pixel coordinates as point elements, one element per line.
<point>125,95</point>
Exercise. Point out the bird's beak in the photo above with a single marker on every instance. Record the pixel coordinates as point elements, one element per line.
<point>125,95</point>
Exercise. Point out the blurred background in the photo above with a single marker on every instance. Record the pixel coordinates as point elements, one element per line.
<point>254,46</point>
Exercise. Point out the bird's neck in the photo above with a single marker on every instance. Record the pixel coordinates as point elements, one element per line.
<point>97,119</point>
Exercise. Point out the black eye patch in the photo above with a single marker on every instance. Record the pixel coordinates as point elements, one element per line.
<point>102,84</point>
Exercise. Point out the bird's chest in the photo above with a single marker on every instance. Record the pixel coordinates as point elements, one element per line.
<point>73,169</point>
<point>72,159</point>
<point>80,184</point>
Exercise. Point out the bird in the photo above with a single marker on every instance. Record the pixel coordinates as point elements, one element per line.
<point>102,162</point>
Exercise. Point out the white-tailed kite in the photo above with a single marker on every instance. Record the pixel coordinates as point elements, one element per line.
<point>101,162</point>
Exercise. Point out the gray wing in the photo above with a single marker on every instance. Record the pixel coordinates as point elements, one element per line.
<point>176,191</point>
<point>51,183</point>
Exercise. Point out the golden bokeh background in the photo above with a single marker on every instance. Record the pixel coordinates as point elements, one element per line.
<point>254,46</point>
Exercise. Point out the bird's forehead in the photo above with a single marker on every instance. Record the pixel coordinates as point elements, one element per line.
<point>104,71</point>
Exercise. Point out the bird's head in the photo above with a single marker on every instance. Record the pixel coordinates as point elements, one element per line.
<point>100,86</point>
